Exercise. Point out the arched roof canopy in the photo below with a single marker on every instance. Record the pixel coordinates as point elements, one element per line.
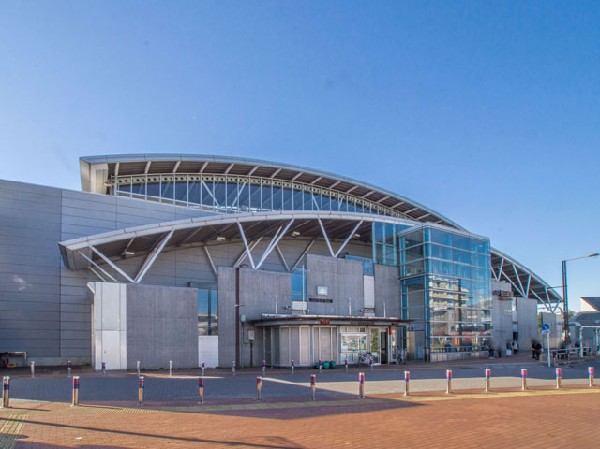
<point>99,172</point>
<point>336,228</point>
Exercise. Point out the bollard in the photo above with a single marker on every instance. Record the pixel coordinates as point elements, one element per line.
<point>202,368</point>
<point>103,368</point>
<point>201,389</point>
<point>75,399</point>
<point>346,363</point>
<point>371,362</point>
<point>320,365</point>
<point>558,377</point>
<point>233,368</point>
<point>259,389</point>
<point>361,385</point>
<point>141,390</point>
<point>69,366</point>
<point>406,383</point>
<point>263,367</point>
<point>488,376</point>
<point>170,367</point>
<point>313,387</point>
<point>523,379</point>
<point>33,370</point>
<point>591,375</point>
<point>139,368</point>
<point>6,392</point>
<point>292,367</point>
<point>448,381</point>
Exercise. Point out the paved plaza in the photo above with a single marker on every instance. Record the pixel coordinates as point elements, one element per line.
<point>109,416</point>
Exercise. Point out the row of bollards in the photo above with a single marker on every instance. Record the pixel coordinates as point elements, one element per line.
<point>312,384</point>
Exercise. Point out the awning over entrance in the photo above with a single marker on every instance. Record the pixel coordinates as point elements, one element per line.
<point>272,320</point>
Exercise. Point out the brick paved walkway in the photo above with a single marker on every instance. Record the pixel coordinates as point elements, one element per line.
<point>540,418</point>
<point>109,417</point>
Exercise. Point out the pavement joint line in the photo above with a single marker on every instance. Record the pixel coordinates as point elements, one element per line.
<point>11,430</point>
<point>493,395</point>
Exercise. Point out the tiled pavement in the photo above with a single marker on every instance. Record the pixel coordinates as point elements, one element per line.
<point>540,417</point>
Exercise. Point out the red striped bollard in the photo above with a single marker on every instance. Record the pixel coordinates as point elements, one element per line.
<point>5,392</point>
<point>406,383</point>
<point>361,385</point>
<point>448,381</point>
<point>523,379</point>
<point>75,398</point>
<point>488,377</point>
<point>313,386</point>
<point>141,390</point>
<point>591,375</point>
<point>201,389</point>
<point>259,389</point>
<point>558,377</point>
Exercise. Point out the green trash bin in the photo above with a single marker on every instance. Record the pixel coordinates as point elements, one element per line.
<point>332,364</point>
<point>325,364</point>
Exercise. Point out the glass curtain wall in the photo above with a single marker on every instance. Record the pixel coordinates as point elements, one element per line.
<point>234,194</point>
<point>208,312</point>
<point>445,283</point>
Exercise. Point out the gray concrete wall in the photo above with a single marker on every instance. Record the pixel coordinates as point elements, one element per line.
<point>502,322</point>
<point>162,325</point>
<point>527,322</point>
<point>344,281</point>
<point>30,290</point>
<point>387,290</point>
<point>260,292</point>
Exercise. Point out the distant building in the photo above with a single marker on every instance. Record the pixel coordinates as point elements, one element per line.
<point>588,322</point>
<point>221,260</point>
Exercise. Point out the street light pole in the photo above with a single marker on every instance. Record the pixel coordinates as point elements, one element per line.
<point>566,294</point>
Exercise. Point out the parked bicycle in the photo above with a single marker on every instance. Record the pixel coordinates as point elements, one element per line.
<point>365,358</point>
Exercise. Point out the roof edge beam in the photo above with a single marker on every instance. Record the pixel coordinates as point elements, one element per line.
<point>89,259</point>
<point>248,253</point>
<point>343,245</point>
<point>152,256</point>
<point>112,264</point>
<point>273,243</point>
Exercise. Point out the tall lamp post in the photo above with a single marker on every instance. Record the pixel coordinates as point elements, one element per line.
<point>565,294</point>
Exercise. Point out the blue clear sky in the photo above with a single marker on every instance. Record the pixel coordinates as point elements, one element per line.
<point>488,112</point>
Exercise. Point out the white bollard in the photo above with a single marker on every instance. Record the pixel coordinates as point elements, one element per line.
<point>201,389</point>
<point>361,385</point>
<point>69,367</point>
<point>558,377</point>
<point>6,392</point>
<point>313,386</point>
<point>233,368</point>
<point>259,389</point>
<point>448,381</point>
<point>202,368</point>
<point>488,376</point>
<point>33,370</point>
<point>170,367</point>
<point>139,368</point>
<point>75,398</point>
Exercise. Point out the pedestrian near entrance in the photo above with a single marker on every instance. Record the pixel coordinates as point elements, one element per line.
<point>515,347</point>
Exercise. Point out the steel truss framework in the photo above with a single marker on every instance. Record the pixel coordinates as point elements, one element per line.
<point>252,229</point>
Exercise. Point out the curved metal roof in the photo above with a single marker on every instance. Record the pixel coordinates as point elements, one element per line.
<point>150,239</point>
<point>504,268</point>
<point>147,164</point>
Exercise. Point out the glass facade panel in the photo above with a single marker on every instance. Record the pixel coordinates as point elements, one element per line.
<point>208,316</point>
<point>181,191</point>
<point>167,188</point>
<point>456,300</point>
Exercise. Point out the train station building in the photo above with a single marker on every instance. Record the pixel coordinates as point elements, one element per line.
<point>221,260</point>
